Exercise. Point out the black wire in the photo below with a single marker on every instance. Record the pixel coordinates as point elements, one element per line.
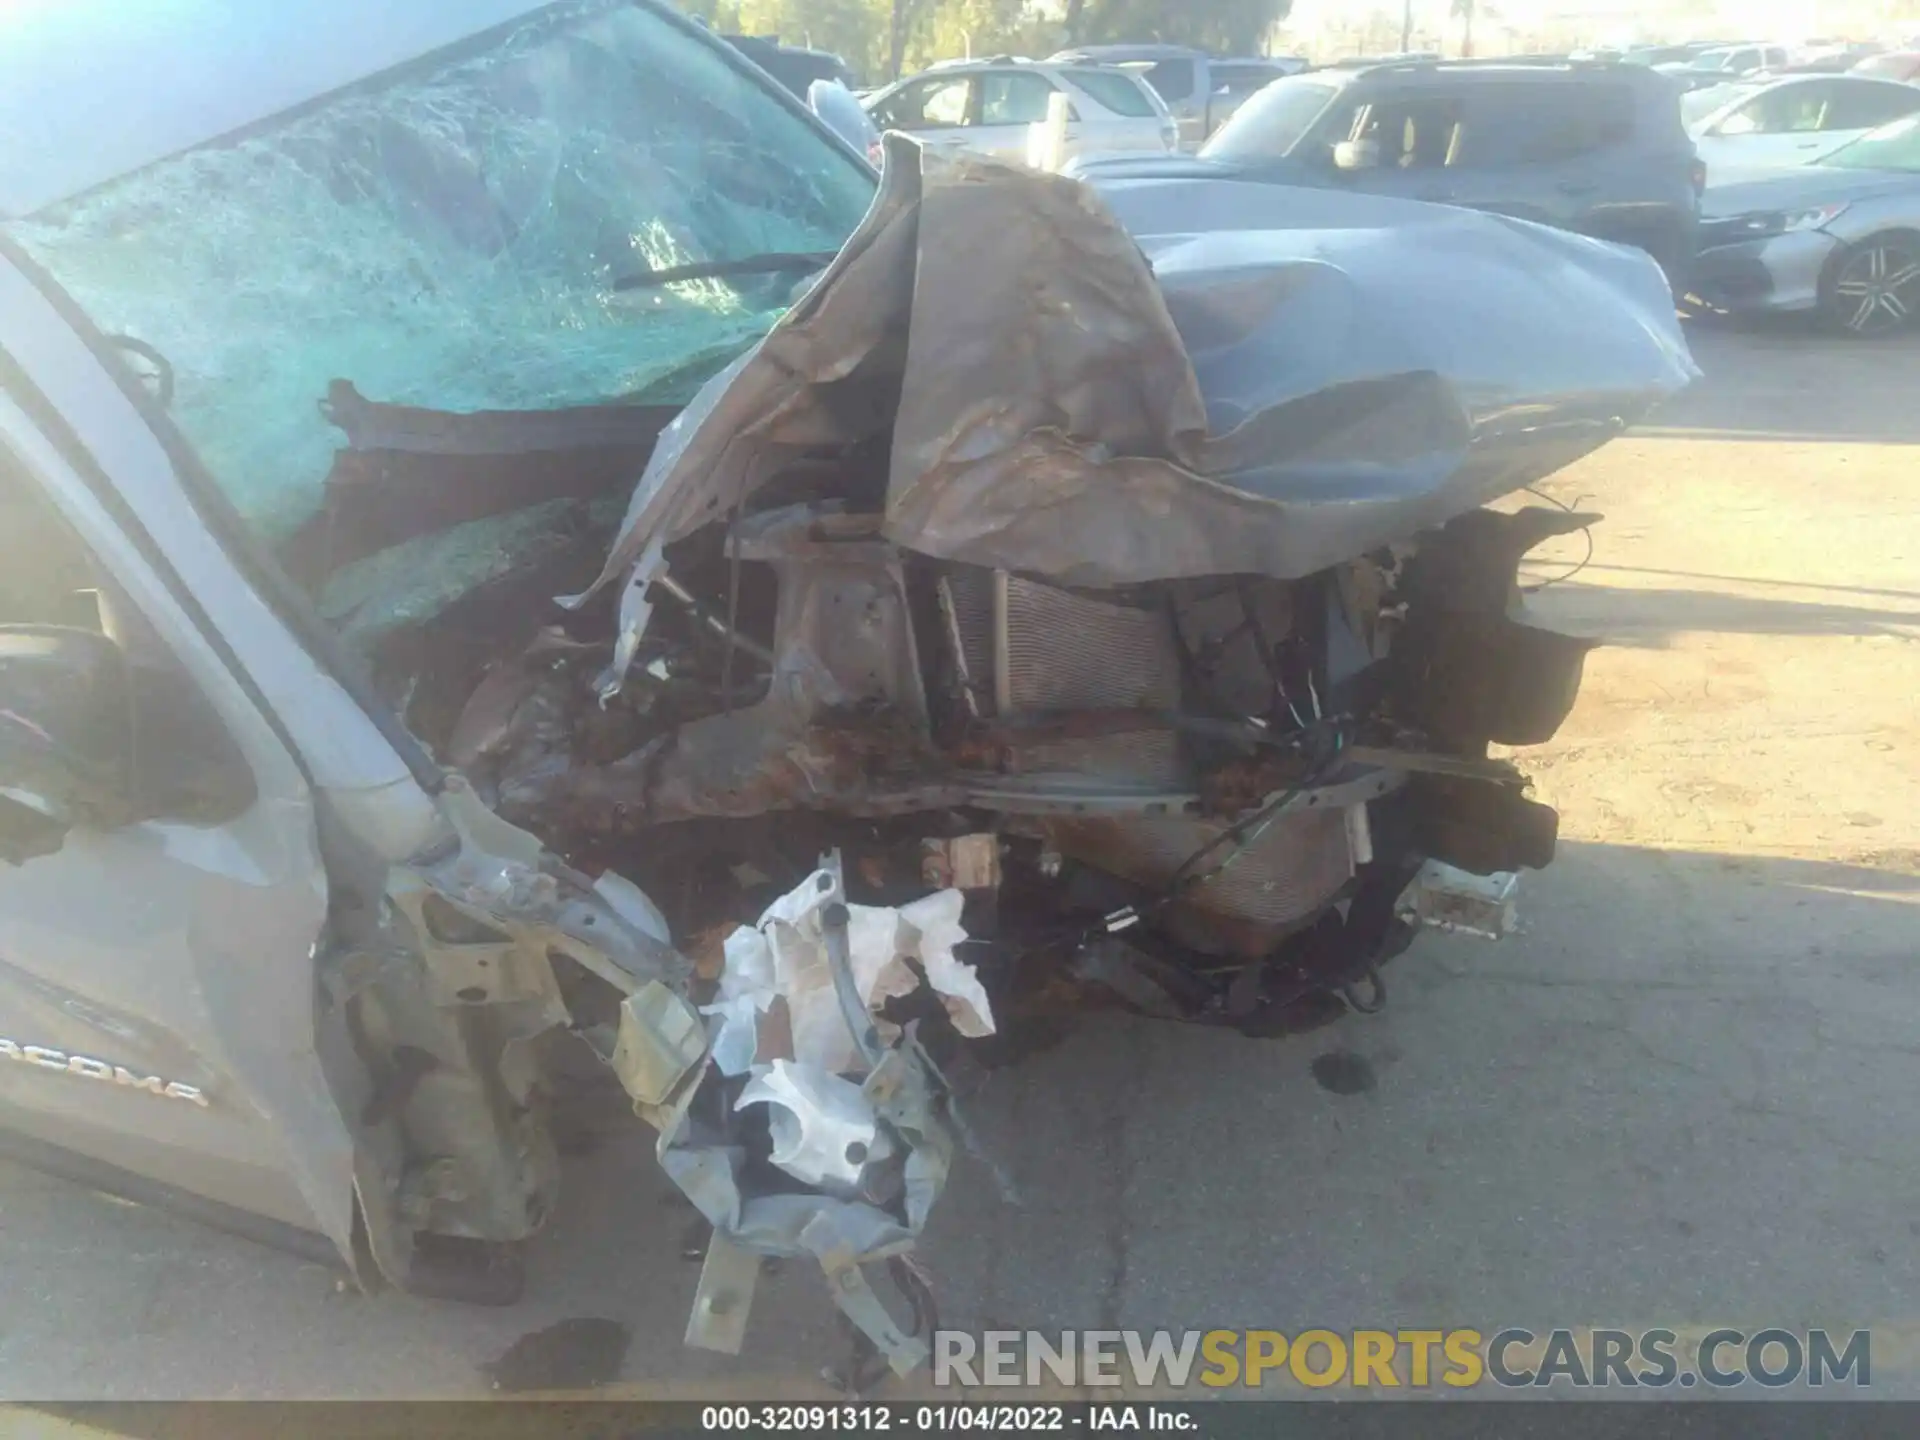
<point>733,602</point>
<point>1585,530</point>
<point>1182,882</point>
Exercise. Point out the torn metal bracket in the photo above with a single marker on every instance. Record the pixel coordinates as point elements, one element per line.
<point>723,1301</point>
<point>854,1296</point>
<point>500,875</point>
<point>660,1041</point>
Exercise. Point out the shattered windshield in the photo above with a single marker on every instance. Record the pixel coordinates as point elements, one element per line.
<point>451,236</point>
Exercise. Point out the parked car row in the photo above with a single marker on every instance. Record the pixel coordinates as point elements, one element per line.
<point>1203,91</point>
<point>991,107</point>
<point>1806,182</point>
<point>1595,149</point>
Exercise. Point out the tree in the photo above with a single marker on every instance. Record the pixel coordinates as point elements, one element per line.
<point>880,39</point>
<point>1076,19</point>
<point>1225,26</point>
<point>901,17</point>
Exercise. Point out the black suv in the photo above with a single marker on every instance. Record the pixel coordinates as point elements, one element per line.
<point>794,66</point>
<point>1593,147</point>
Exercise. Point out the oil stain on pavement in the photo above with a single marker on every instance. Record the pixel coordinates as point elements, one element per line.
<point>1341,1072</point>
<point>572,1355</point>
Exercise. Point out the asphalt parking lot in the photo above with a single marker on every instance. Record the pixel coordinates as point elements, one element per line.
<point>1682,1097</point>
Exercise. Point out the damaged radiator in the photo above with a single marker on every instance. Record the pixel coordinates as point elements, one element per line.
<point>1026,650</point>
<point>1031,648</point>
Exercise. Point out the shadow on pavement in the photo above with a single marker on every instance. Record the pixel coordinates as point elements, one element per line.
<point>1649,618</point>
<point>1782,380</point>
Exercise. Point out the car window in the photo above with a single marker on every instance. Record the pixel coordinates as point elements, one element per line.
<point>1891,147</point>
<point>47,577</point>
<point>1174,79</point>
<point>1697,105</point>
<point>1013,97</point>
<point>1863,107</point>
<point>1415,132</point>
<point>1273,121</point>
<point>1892,67</point>
<point>1539,124</point>
<point>1242,79</point>
<point>936,103</point>
<point>1121,94</point>
<point>1783,110</point>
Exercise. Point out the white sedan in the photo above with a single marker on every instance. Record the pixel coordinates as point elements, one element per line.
<point>1790,121</point>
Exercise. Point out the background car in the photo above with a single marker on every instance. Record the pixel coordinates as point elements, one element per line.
<point>1667,54</point>
<point>1894,65</point>
<point>1595,148</point>
<point>990,107</point>
<point>1791,121</point>
<point>1712,67</point>
<point>840,110</point>
<point>794,66</point>
<point>1829,59</point>
<point>1201,90</point>
<point>1838,237</point>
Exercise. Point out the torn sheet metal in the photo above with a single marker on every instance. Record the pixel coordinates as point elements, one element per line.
<point>785,957</point>
<point>1170,379</point>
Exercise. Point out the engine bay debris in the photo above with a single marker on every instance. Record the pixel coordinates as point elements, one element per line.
<point>1125,623</point>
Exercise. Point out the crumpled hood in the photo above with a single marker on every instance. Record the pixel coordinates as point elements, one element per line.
<point>1313,374</point>
<point>1148,165</point>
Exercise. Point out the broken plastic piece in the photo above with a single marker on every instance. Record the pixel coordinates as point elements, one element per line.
<point>824,1129</point>
<point>787,956</point>
<point>1442,897</point>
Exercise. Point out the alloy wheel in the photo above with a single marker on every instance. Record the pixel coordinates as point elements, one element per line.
<point>1877,288</point>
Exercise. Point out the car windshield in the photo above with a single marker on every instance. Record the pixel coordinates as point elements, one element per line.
<point>1891,147</point>
<point>1270,124</point>
<point>451,236</point>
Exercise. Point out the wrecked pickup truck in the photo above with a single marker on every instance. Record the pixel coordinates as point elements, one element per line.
<point>531,576</point>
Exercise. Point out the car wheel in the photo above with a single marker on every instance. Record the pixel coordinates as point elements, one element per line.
<point>1873,288</point>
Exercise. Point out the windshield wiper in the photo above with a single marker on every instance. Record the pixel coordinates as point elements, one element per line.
<point>776,263</point>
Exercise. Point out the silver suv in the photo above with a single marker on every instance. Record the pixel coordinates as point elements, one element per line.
<point>991,106</point>
<point>1201,90</point>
